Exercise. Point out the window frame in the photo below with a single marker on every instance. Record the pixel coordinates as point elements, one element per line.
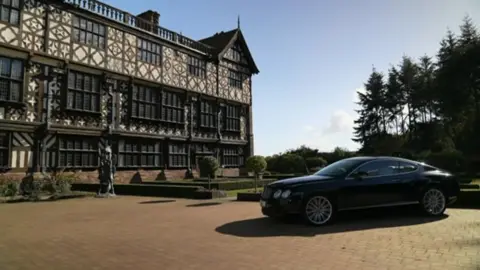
<point>83,92</point>
<point>211,114</point>
<point>182,155</point>
<point>139,153</point>
<point>152,54</point>
<point>5,149</point>
<point>9,79</point>
<point>230,119</point>
<point>407,164</point>
<point>66,151</point>
<point>197,67</point>
<point>77,31</point>
<point>236,52</point>
<point>11,8</point>
<point>152,103</point>
<point>163,106</point>
<point>171,108</point>
<point>395,170</point>
<point>232,153</point>
<point>235,78</point>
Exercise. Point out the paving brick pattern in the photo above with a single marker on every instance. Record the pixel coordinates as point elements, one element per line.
<point>127,233</point>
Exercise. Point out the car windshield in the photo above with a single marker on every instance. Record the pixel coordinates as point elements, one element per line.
<point>341,167</point>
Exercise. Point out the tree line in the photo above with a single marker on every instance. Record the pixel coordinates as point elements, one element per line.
<point>304,160</point>
<point>426,108</point>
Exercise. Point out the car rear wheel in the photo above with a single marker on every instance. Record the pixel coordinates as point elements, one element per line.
<point>318,210</point>
<point>433,202</point>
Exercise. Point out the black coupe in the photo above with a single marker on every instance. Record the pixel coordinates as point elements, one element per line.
<point>358,183</point>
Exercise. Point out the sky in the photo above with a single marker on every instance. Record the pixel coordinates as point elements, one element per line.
<point>313,55</point>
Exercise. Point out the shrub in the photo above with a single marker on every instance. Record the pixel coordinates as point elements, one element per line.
<point>32,186</point>
<point>208,167</point>
<point>450,160</point>
<point>161,176</point>
<point>8,187</point>
<point>286,163</point>
<point>56,183</point>
<point>256,164</point>
<point>315,162</point>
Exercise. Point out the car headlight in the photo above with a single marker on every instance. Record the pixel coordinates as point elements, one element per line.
<point>286,194</point>
<point>277,194</point>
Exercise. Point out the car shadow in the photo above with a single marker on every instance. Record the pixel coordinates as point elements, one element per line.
<point>345,222</point>
<point>157,201</point>
<point>204,204</point>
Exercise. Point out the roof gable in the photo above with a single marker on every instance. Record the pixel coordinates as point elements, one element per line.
<point>223,41</point>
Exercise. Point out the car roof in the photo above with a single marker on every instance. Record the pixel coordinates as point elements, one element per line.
<point>370,158</point>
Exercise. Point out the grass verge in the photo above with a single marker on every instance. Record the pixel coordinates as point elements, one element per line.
<point>233,193</point>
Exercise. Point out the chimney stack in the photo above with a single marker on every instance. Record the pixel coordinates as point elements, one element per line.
<point>150,16</point>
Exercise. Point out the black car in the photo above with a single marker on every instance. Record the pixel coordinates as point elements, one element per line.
<point>358,183</point>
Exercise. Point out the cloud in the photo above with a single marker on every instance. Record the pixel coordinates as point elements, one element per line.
<point>340,121</point>
<point>336,132</point>
<point>308,128</point>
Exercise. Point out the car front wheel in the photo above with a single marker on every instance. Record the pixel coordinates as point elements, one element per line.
<point>318,210</point>
<point>433,202</point>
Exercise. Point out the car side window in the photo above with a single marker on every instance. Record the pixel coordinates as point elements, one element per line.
<point>379,168</point>
<point>405,167</point>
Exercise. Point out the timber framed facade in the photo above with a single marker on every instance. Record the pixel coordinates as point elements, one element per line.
<point>77,75</point>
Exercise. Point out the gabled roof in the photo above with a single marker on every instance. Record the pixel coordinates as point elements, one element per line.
<point>222,41</point>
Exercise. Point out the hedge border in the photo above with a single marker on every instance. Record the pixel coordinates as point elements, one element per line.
<point>223,185</point>
<point>248,197</point>
<point>169,191</point>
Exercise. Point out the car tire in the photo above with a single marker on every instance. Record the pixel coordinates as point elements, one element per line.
<point>433,202</point>
<point>318,210</point>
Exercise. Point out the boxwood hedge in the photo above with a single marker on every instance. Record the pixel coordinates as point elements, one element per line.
<point>175,191</point>
<point>219,185</point>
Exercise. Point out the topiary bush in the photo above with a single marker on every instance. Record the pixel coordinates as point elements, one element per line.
<point>208,167</point>
<point>257,165</point>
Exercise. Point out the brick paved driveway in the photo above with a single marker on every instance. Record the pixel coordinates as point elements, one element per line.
<point>127,233</point>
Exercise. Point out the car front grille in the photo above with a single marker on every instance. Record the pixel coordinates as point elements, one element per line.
<point>267,192</point>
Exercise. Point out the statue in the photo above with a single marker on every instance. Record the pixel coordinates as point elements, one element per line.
<point>106,172</point>
<point>219,124</point>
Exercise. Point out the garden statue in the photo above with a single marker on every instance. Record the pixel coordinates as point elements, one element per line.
<point>106,172</point>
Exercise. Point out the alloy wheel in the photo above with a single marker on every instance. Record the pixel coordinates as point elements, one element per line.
<point>318,210</point>
<point>434,202</point>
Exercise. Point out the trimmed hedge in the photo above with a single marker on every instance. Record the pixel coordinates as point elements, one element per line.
<point>468,199</point>
<point>282,176</point>
<point>223,185</point>
<point>469,186</point>
<point>218,180</point>
<point>248,197</point>
<point>173,191</point>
